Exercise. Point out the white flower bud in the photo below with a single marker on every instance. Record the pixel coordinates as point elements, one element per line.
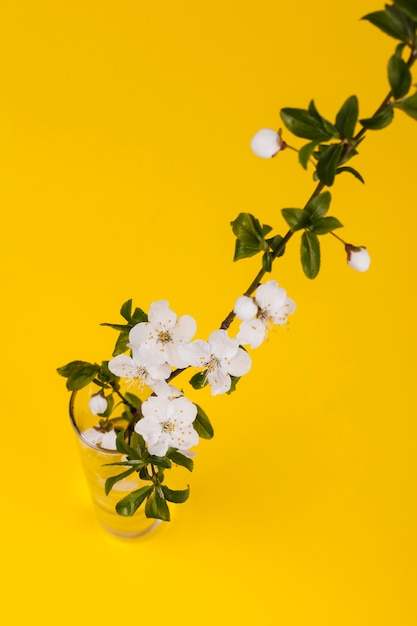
<point>358,257</point>
<point>245,308</point>
<point>266,143</point>
<point>97,404</point>
<point>108,440</point>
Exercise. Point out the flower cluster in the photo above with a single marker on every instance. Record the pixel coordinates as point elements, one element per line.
<point>162,345</point>
<point>161,427</point>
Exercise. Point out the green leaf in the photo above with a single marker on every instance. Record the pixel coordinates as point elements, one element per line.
<point>160,461</point>
<point>126,310</point>
<point>247,228</point>
<point>274,243</point>
<point>328,126</point>
<point>267,261</point>
<point>139,316</point>
<point>310,254</point>
<point>319,205</point>
<point>402,22</point>
<point>202,424</point>
<point>178,496</point>
<point>156,506</point>
<point>399,77</point>
<point>117,326</point>
<point>352,171</point>
<point>128,505</point>
<point>82,376</point>
<point>110,482</point>
<point>409,106</point>
<point>121,343</point>
<point>328,162</point>
<point>244,249</point>
<point>295,218</point>
<point>409,7</point>
<point>304,154</point>
<point>304,124</point>
<point>233,382</point>
<point>179,459</point>
<point>378,121</point>
<point>124,447</point>
<point>325,225</point>
<point>199,380</point>
<point>133,400</point>
<point>266,229</point>
<point>347,117</point>
<point>388,24</point>
<point>70,368</point>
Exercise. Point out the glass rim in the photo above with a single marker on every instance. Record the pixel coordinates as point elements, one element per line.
<point>80,434</point>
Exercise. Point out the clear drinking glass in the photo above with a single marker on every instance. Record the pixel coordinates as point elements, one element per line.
<point>94,458</point>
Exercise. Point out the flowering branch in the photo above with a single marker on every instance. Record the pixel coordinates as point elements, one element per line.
<point>153,349</point>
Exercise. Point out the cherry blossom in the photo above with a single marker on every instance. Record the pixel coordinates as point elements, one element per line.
<point>221,355</point>
<point>269,306</point>
<point>168,424</point>
<point>106,440</point>
<point>157,341</point>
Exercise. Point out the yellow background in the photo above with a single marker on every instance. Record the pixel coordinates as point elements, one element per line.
<point>125,130</point>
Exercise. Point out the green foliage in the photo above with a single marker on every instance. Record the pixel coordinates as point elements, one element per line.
<point>156,506</point>
<point>178,496</point>
<point>409,106</point>
<point>352,171</point>
<point>250,236</point>
<point>79,374</point>
<point>199,380</point>
<point>379,120</point>
<point>328,163</point>
<point>110,482</point>
<point>347,117</point>
<point>128,505</point>
<point>180,459</point>
<point>310,254</point>
<point>409,7</point>
<point>308,123</point>
<point>202,424</point>
<point>295,218</point>
<point>394,21</point>
<point>399,77</point>
<point>318,206</point>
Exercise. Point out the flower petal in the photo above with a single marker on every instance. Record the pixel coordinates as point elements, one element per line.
<point>245,308</point>
<point>161,316</point>
<point>270,296</point>
<point>239,364</point>
<point>185,328</point>
<point>222,345</point>
<point>123,366</point>
<point>196,353</point>
<point>251,332</point>
<point>219,380</point>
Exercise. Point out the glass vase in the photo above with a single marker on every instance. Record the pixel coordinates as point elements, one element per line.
<point>94,459</point>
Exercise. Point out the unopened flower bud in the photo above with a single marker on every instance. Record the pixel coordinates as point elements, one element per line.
<point>245,308</point>
<point>266,143</point>
<point>97,404</point>
<point>358,257</point>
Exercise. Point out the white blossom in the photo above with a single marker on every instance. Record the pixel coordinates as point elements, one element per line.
<point>269,306</point>
<point>168,424</point>
<point>134,368</point>
<point>221,355</point>
<point>97,403</point>
<point>266,143</point>
<point>157,341</point>
<point>106,440</point>
<point>358,258</point>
